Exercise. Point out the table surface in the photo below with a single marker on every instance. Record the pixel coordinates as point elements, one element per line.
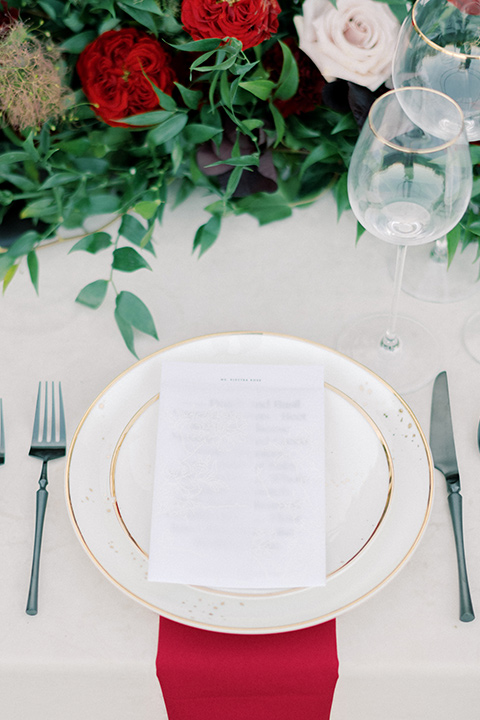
<point>90,651</point>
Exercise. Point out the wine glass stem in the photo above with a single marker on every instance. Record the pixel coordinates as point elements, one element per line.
<point>390,340</point>
<point>440,250</point>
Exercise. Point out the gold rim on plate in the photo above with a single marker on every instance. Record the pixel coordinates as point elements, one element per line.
<point>136,543</point>
<point>264,629</point>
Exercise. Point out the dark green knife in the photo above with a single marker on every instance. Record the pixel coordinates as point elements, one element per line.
<point>444,458</point>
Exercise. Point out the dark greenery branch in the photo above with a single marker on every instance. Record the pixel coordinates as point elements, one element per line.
<point>59,174</point>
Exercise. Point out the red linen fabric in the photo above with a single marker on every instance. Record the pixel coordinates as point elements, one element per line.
<point>207,675</point>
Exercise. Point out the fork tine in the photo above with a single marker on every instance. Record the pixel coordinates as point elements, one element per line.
<point>63,435</point>
<point>36,422</point>
<point>45,415</point>
<point>53,431</point>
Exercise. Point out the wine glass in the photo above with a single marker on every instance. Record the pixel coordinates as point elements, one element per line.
<point>409,182</point>
<point>438,47</point>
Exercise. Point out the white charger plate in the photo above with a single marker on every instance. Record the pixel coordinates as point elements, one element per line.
<point>379,486</point>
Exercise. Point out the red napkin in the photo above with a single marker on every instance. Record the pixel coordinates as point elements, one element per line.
<point>206,675</point>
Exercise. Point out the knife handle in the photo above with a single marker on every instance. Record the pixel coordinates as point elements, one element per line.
<point>466,608</point>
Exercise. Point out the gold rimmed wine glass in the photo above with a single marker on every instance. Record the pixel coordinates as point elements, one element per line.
<point>439,47</point>
<point>409,182</point>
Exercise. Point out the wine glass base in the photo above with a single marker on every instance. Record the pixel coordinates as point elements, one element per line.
<point>471,336</point>
<point>430,279</point>
<point>409,367</point>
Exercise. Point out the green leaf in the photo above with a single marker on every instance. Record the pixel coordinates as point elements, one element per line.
<point>74,22</point>
<point>476,187</point>
<point>165,101</point>
<point>265,207</point>
<point>53,8</point>
<point>322,152</point>
<point>340,194</point>
<point>253,123</point>
<point>91,166</point>
<point>474,154</point>
<point>184,191</point>
<point>6,197</point>
<point>93,294</point>
<point>93,243</point>
<point>24,244</point>
<point>108,24</point>
<point>6,263</point>
<point>260,88</point>
<point>9,275</point>
<point>191,98</point>
<point>31,148</point>
<point>287,84</point>
<point>227,90</point>
<point>207,234</point>
<point>141,16</point>
<point>279,122</point>
<point>474,227</point>
<point>39,208</point>
<point>32,263</point>
<point>233,181</point>
<point>146,119</point>
<point>360,231</point>
<point>176,154</point>
<point>136,313</point>
<point>347,122</point>
<point>132,229</point>
<point>145,243</point>
<point>196,133</point>
<point>76,43</point>
<point>60,178</point>
<point>13,157</point>
<point>128,260</point>
<point>202,46</point>
<point>146,5</point>
<point>216,208</point>
<point>103,204</point>
<point>230,51</point>
<point>453,238</point>
<point>126,330</point>
<point>241,161</point>
<point>146,208</point>
<point>168,129</point>
<point>20,181</point>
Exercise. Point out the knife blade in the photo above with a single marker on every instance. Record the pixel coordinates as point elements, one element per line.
<point>442,445</point>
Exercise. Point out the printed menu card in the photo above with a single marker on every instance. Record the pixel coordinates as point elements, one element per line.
<point>239,487</point>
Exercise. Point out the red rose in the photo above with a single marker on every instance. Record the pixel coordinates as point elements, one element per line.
<point>111,70</point>
<point>310,80</point>
<point>250,21</point>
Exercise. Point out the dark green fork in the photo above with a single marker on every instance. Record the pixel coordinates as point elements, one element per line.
<point>48,443</point>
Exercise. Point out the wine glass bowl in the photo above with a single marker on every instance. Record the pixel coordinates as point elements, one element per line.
<point>409,183</point>
<point>410,175</point>
<point>438,47</point>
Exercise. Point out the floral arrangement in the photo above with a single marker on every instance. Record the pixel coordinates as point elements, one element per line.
<point>118,107</point>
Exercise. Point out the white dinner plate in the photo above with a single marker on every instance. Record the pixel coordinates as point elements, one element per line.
<point>379,486</point>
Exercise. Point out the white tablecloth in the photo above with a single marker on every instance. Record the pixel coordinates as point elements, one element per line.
<point>90,651</point>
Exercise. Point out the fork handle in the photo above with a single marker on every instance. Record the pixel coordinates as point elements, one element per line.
<point>42,497</point>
